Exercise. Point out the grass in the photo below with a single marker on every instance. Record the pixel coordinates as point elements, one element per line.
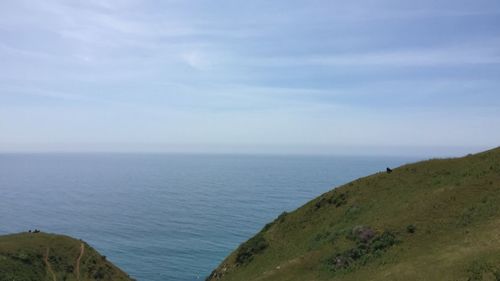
<point>432,220</point>
<point>22,259</point>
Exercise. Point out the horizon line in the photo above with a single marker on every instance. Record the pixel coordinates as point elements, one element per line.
<point>360,151</point>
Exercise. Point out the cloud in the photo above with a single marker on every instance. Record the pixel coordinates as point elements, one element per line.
<point>196,60</point>
<point>441,56</point>
<point>31,91</point>
<point>280,72</point>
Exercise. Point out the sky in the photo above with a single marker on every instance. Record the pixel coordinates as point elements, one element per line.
<point>233,76</point>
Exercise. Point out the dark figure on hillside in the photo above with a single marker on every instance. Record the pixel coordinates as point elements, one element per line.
<point>389,170</point>
<point>29,231</point>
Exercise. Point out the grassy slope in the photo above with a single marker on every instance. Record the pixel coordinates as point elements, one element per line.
<point>22,259</point>
<point>454,205</point>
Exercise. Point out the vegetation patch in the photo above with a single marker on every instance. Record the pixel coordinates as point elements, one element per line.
<point>411,228</point>
<point>478,271</point>
<point>23,256</point>
<point>337,199</point>
<point>352,211</point>
<point>249,249</point>
<point>447,201</point>
<point>369,244</point>
<point>279,219</point>
<point>323,237</point>
<point>486,208</point>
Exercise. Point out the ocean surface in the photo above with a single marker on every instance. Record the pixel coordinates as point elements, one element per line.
<point>165,217</point>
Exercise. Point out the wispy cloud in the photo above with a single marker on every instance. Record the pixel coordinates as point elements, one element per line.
<point>440,56</point>
<point>195,59</point>
<point>31,92</point>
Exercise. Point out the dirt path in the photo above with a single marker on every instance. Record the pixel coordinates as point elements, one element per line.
<point>82,249</point>
<point>49,268</point>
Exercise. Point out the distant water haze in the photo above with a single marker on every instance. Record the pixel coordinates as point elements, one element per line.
<point>320,149</point>
<point>166,216</point>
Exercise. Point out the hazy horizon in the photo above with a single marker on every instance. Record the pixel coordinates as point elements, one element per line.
<point>282,77</point>
<point>354,151</point>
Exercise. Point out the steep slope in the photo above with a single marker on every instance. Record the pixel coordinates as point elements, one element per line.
<point>432,220</point>
<point>50,257</point>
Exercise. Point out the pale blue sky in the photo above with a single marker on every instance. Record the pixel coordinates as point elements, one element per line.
<point>374,77</point>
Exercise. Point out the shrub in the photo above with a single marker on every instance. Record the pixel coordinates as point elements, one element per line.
<point>340,262</point>
<point>477,269</point>
<point>267,227</point>
<point>384,241</point>
<point>338,200</point>
<point>320,203</point>
<point>364,234</point>
<point>497,275</point>
<point>279,219</point>
<point>368,245</point>
<point>69,268</point>
<point>250,248</point>
<point>100,273</point>
<point>411,228</point>
<point>282,216</point>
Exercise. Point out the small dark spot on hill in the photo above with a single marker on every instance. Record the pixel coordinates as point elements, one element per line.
<point>282,216</point>
<point>411,228</point>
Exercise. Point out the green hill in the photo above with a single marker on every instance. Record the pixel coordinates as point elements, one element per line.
<point>50,257</point>
<point>432,220</point>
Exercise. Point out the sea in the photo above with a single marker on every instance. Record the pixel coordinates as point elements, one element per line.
<point>166,216</point>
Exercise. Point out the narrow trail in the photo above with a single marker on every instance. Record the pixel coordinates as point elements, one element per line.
<point>77,268</point>
<point>49,267</point>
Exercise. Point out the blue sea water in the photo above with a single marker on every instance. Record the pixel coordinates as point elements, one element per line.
<point>165,217</point>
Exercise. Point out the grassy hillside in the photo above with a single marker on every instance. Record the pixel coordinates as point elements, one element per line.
<point>49,257</point>
<point>432,220</point>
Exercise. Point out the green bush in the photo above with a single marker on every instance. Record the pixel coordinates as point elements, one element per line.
<point>279,219</point>
<point>249,249</point>
<point>384,241</point>
<point>411,228</point>
<point>337,199</point>
<point>282,216</point>
<point>367,246</point>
